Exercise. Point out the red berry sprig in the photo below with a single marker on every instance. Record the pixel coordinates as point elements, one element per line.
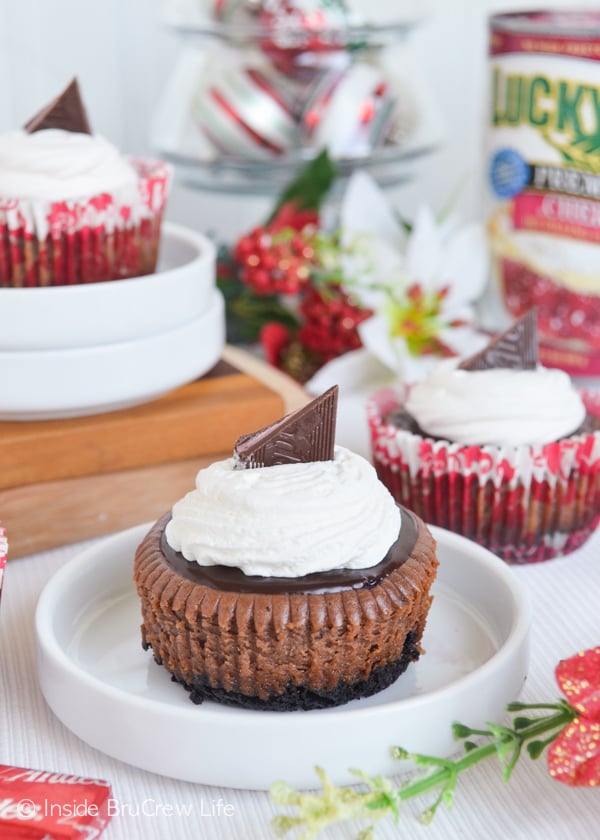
<point>276,261</point>
<point>330,321</point>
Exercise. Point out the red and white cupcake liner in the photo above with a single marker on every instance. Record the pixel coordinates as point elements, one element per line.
<point>3,554</point>
<point>85,240</point>
<point>525,503</point>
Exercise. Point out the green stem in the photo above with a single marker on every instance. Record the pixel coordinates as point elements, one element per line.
<point>557,721</point>
<point>317,811</point>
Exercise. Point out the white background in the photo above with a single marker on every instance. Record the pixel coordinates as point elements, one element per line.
<point>123,53</point>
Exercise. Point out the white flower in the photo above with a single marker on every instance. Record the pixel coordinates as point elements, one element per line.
<point>420,284</point>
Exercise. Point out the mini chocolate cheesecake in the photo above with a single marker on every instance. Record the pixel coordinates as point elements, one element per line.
<point>280,643</point>
<point>286,643</point>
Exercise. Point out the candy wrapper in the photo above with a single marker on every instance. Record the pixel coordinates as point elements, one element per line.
<point>3,554</point>
<point>42,805</point>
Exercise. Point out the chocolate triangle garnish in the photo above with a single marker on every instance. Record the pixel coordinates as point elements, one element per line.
<point>515,348</point>
<point>306,435</point>
<point>67,111</point>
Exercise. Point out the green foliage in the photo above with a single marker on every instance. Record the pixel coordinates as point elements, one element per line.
<point>246,311</point>
<point>379,797</point>
<point>308,189</point>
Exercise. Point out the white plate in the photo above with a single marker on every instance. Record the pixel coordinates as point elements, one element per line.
<point>108,691</point>
<point>56,317</point>
<point>47,384</point>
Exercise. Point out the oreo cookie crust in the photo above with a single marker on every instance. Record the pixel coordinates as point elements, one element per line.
<point>286,644</point>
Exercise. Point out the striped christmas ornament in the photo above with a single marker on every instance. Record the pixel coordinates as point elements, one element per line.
<point>244,112</point>
<point>303,37</point>
<point>350,111</point>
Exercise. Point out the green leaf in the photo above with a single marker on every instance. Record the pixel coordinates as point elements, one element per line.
<point>282,824</point>
<point>310,186</point>
<point>517,706</point>
<point>510,765</point>
<point>536,748</point>
<point>247,312</point>
<point>448,796</point>
<point>406,226</point>
<point>284,794</point>
<point>427,816</point>
<point>459,730</point>
<point>522,722</point>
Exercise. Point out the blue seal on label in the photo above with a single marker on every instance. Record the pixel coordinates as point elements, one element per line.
<point>509,173</point>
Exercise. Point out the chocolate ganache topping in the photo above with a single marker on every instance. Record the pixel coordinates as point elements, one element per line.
<point>230,579</point>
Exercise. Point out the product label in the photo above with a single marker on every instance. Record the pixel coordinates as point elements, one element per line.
<point>544,180</point>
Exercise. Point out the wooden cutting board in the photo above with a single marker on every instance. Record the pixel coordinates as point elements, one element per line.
<point>64,481</point>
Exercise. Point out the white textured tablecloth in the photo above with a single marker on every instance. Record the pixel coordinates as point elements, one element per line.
<point>565,600</point>
<point>565,597</point>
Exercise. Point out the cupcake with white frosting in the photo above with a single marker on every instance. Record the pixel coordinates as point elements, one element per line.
<point>73,209</point>
<point>288,578</point>
<point>505,454</point>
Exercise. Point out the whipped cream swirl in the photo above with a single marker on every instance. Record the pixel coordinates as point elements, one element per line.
<point>54,165</point>
<point>287,520</point>
<point>502,406</point>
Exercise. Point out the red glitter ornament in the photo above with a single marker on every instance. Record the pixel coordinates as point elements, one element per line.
<point>574,757</point>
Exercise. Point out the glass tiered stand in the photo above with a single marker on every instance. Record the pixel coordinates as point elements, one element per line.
<point>260,87</point>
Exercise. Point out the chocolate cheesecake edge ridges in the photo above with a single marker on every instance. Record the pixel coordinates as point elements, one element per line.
<point>403,594</point>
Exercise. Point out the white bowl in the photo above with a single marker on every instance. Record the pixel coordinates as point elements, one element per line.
<point>47,384</point>
<point>54,317</point>
<point>108,691</point>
